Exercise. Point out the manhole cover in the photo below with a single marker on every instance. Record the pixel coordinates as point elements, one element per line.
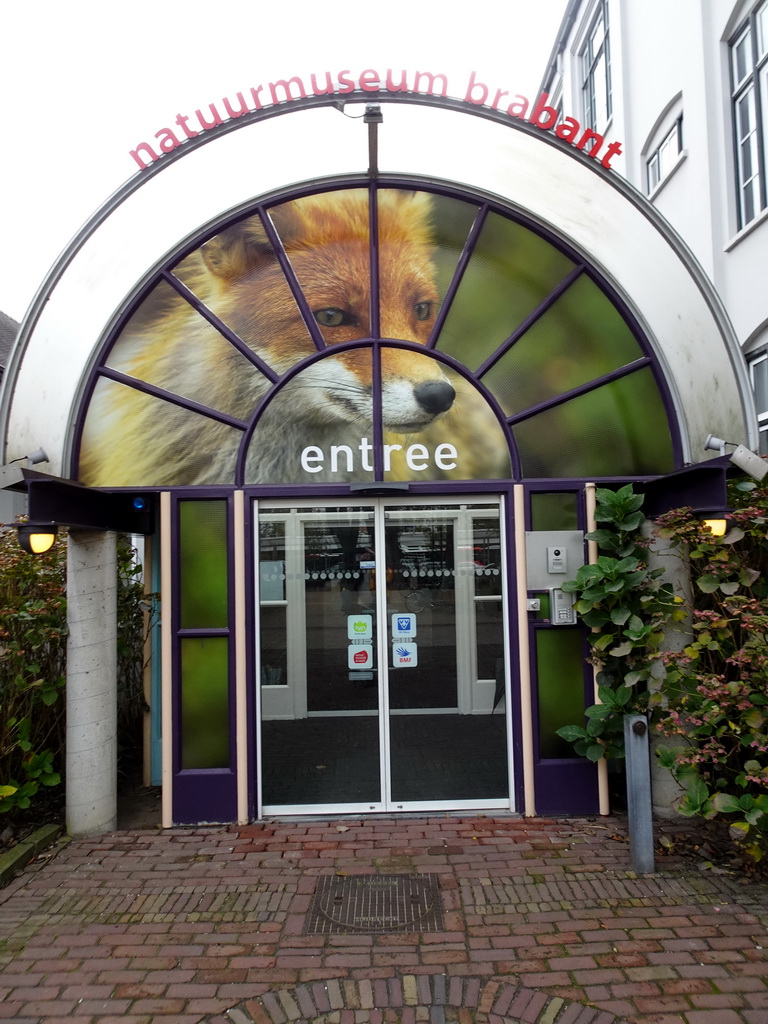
<point>375,903</point>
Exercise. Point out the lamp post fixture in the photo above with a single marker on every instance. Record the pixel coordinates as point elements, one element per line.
<point>37,538</point>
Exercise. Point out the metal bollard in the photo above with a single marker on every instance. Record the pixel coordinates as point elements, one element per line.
<point>639,808</point>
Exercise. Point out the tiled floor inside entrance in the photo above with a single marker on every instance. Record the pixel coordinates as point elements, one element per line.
<point>336,760</point>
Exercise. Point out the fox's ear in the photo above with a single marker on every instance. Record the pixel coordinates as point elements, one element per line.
<point>238,249</point>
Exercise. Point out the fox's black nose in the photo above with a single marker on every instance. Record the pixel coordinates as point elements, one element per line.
<point>435,396</point>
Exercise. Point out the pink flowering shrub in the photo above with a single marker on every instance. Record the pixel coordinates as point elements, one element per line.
<point>714,695</point>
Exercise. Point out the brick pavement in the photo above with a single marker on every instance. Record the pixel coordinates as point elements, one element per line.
<point>544,923</point>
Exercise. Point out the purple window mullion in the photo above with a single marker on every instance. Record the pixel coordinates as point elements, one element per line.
<point>458,274</point>
<point>375,314</point>
<point>378,427</point>
<point>171,397</point>
<point>234,339</point>
<point>531,319</point>
<point>285,265</point>
<point>584,389</point>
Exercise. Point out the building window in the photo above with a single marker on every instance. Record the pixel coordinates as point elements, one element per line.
<point>596,71</point>
<point>665,155</point>
<point>749,78</point>
<point>758,373</point>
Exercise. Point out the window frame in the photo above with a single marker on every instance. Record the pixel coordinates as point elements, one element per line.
<point>592,63</point>
<point>659,162</point>
<point>760,359</point>
<point>748,69</point>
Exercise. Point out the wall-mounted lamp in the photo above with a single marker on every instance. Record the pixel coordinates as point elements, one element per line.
<point>741,457</point>
<point>712,518</point>
<point>37,538</point>
<point>717,527</point>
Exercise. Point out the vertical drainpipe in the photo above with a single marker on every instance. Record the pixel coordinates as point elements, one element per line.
<point>91,730</point>
<point>592,553</point>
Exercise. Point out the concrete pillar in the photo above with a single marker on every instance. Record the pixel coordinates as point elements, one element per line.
<point>674,560</point>
<point>91,748</point>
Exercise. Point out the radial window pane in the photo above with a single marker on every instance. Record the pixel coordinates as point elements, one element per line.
<point>238,277</point>
<point>167,343</point>
<point>204,702</point>
<point>319,427</point>
<point>133,439</point>
<point>326,238</point>
<point>512,270</point>
<point>406,271</point>
<point>580,338</point>
<point>459,437</point>
<point>619,429</point>
<point>452,220</point>
<point>204,595</point>
<point>421,238</point>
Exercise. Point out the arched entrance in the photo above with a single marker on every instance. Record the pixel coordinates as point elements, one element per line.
<point>421,365</point>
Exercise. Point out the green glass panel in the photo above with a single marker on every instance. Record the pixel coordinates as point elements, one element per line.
<point>204,702</point>
<point>203,564</point>
<point>554,510</point>
<point>511,272</point>
<point>132,439</point>
<point>619,429</point>
<point>167,343</point>
<point>580,338</point>
<point>560,684</point>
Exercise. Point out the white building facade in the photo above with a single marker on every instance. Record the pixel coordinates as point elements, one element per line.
<point>683,87</point>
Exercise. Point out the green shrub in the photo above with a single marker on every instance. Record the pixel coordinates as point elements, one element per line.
<point>627,606</point>
<point>712,696</point>
<point>33,654</point>
<point>33,638</point>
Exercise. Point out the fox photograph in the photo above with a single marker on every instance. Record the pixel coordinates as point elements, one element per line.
<point>295,335</point>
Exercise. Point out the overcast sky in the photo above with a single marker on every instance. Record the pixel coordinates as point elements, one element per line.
<point>83,81</point>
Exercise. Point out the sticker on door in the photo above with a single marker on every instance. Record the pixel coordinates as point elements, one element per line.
<point>404,655</point>
<point>360,656</point>
<point>403,626</point>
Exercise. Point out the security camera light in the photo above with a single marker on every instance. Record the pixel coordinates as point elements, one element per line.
<point>715,444</point>
<point>749,462</point>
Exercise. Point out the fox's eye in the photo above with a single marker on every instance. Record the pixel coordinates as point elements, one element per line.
<point>333,317</point>
<point>423,310</point>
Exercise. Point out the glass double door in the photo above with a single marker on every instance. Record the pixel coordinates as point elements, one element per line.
<point>381,657</point>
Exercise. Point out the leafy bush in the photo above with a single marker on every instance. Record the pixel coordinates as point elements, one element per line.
<point>712,696</point>
<point>715,695</point>
<point>33,652</point>
<point>33,637</point>
<point>627,606</point>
